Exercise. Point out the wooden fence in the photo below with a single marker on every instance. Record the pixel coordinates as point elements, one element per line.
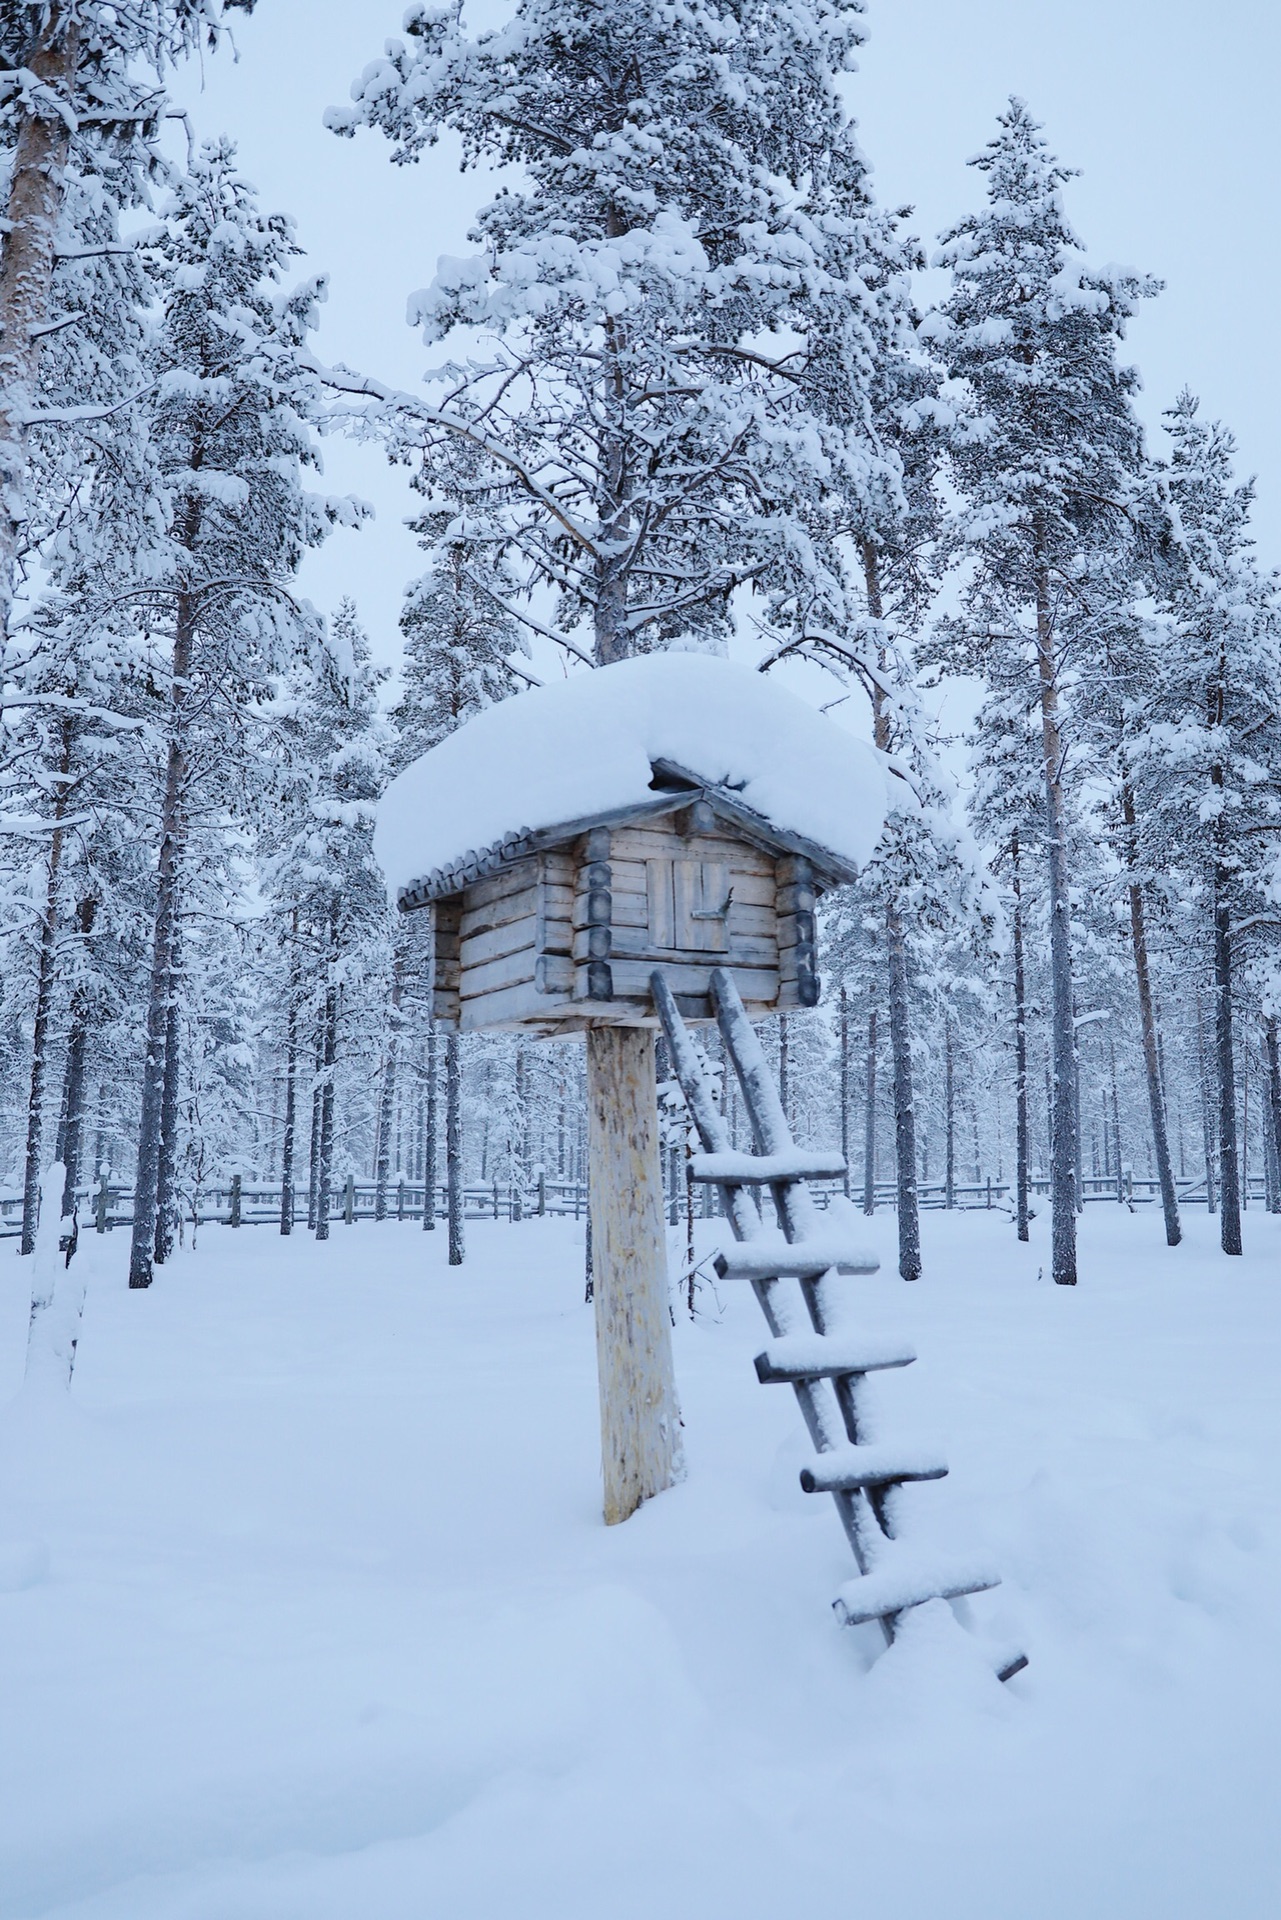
<point>242,1202</point>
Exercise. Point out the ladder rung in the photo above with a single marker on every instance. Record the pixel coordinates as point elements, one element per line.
<point>768,1256</point>
<point>816,1356</point>
<point>844,1469</point>
<point>902,1581</point>
<point>744,1169</point>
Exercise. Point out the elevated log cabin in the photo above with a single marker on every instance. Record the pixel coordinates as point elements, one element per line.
<point>559,929</point>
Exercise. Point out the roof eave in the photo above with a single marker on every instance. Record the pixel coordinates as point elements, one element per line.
<point>832,869</point>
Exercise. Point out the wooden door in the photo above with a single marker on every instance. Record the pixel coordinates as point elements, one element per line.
<point>689,903</point>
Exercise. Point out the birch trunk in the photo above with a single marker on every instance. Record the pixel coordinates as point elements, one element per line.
<point>37,190</point>
<point>640,1419</point>
<point>1147,1028</point>
<point>57,1296</point>
<point>454,1148</point>
<point>1021,1142</point>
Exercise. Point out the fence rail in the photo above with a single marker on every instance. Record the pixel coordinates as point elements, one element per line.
<point>242,1202</point>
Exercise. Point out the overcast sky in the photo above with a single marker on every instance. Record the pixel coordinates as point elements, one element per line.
<point>1169,109</point>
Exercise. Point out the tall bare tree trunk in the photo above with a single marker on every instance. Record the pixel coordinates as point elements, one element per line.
<point>1273,1107</point>
<point>161,993</point>
<point>869,1120</point>
<point>909,1219</point>
<point>167,1159</point>
<point>46,962</point>
<point>289,1134</point>
<point>1021,1141</point>
<point>329,1056</point>
<point>1147,1027</point>
<point>784,1064</point>
<point>387,1100</point>
<point>313,1162</point>
<point>37,190</point>
<point>71,1130</point>
<point>1207,1112</point>
<point>845,1088</point>
<point>949,1117</point>
<point>1225,1069</point>
<point>1063,1143</point>
<point>454,1148</point>
<point>429,1132</point>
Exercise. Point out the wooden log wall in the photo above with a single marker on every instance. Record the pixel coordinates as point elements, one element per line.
<point>797,942</point>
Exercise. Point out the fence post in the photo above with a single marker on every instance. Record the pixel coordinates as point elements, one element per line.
<point>400,1200</point>
<point>542,1193</point>
<point>104,1203</point>
<point>235,1199</point>
<point>495,1199</point>
<point>989,1193</point>
<point>349,1199</point>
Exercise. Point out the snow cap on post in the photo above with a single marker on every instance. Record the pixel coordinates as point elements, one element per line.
<point>589,746</point>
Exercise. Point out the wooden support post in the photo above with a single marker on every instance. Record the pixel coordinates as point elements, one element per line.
<point>640,1418</point>
<point>103,1204</point>
<point>235,1199</point>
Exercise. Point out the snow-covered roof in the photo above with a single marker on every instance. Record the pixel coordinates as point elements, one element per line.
<point>586,748</point>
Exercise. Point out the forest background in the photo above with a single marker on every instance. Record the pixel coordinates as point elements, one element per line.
<point>250,1011</point>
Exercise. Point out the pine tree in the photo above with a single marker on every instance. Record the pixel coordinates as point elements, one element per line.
<point>1207,767</point>
<point>457,634</point>
<point>326,887</point>
<point>228,438</point>
<point>642,430</point>
<point>458,638</point>
<point>80,112</point>
<point>1048,474</point>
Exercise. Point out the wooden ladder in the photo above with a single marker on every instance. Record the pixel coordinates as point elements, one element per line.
<point>825,1371</point>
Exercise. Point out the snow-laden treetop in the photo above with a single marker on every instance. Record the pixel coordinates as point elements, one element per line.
<point>586,747</point>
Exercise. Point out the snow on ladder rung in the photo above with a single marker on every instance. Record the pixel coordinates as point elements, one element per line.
<point>744,1169</point>
<point>906,1580</point>
<point>816,1356</point>
<point>768,1256</point>
<point>845,1469</point>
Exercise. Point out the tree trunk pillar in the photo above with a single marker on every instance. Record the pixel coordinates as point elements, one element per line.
<point>640,1418</point>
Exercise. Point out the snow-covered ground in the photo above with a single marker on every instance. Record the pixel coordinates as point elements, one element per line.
<point>307,1613</point>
